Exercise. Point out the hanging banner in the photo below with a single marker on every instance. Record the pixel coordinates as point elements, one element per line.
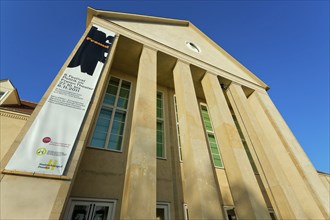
<point>48,143</point>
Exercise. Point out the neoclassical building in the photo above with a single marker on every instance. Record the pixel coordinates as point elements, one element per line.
<point>159,123</point>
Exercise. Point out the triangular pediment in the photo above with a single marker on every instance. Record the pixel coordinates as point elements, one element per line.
<point>176,34</point>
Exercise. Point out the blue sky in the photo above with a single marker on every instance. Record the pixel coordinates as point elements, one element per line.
<point>285,43</point>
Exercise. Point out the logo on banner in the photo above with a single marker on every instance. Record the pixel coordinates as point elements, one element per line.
<point>46,140</point>
<point>41,151</point>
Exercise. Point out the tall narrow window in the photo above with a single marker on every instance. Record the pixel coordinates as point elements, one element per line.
<point>162,211</point>
<point>230,213</point>
<point>177,128</point>
<point>255,170</point>
<point>160,126</point>
<point>213,144</point>
<point>109,128</point>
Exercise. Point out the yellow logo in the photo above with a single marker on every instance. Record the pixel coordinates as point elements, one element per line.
<point>41,151</point>
<point>51,165</point>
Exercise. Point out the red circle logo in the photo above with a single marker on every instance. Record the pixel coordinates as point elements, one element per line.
<point>46,140</point>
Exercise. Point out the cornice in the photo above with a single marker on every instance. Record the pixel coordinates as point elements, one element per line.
<point>14,115</point>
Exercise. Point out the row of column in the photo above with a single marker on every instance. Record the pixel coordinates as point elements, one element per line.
<point>289,195</point>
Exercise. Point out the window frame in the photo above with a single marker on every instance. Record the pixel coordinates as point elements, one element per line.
<point>114,109</point>
<point>3,95</point>
<point>211,132</point>
<point>76,200</point>
<point>166,207</point>
<point>177,128</point>
<point>163,123</point>
<point>226,209</point>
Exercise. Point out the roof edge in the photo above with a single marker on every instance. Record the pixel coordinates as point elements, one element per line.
<point>91,12</point>
<point>231,58</point>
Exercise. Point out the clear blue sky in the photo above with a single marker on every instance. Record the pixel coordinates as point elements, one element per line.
<point>285,43</point>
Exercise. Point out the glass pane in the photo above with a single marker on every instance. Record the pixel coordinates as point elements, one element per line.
<point>208,126</point>
<point>159,113</point>
<point>117,128</point>
<point>115,142</point>
<point>124,93</point>
<point>105,114</point>
<point>122,103</point>
<point>160,150</point>
<point>114,81</point>
<point>109,99</point>
<point>98,143</point>
<point>211,138</point>
<point>112,90</point>
<point>80,212</point>
<point>160,214</point>
<point>217,160</point>
<point>120,116</point>
<point>100,213</point>
<point>126,85</point>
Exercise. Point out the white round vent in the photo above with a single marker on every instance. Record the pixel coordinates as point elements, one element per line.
<point>192,46</point>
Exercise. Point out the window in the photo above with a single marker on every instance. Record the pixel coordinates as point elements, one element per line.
<point>177,128</point>
<point>160,126</point>
<point>162,211</point>
<point>255,170</point>
<point>2,94</point>
<point>230,212</point>
<point>272,214</point>
<point>91,209</point>
<point>185,212</point>
<point>110,125</point>
<point>213,144</point>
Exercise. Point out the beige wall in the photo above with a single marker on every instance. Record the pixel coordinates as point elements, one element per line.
<point>10,125</point>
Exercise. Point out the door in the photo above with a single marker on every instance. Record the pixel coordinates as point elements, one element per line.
<point>90,210</point>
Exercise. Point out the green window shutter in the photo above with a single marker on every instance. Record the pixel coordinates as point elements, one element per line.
<point>213,144</point>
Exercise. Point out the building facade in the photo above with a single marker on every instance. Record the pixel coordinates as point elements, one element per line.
<point>176,129</point>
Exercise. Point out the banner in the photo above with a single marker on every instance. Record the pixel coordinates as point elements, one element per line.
<point>48,143</point>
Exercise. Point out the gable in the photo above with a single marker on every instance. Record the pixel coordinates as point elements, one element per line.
<point>175,34</point>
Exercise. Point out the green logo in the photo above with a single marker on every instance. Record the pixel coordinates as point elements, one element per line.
<point>41,151</point>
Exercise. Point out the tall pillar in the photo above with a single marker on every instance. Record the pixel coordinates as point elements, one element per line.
<point>203,197</point>
<point>290,181</point>
<point>139,196</point>
<point>249,202</point>
<point>297,154</point>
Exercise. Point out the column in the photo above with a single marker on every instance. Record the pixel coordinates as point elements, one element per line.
<point>203,196</point>
<point>139,196</point>
<point>249,202</point>
<point>289,184</point>
<point>297,154</point>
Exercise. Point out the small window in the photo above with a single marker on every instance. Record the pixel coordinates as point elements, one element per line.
<point>230,213</point>
<point>246,147</point>
<point>272,214</point>
<point>160,127</point>
<point>110,124</point>
<point>212,141</point>
<point>185,212</point>
<point>177,128</point>
<point>2,94</point>
<point>163,211</point>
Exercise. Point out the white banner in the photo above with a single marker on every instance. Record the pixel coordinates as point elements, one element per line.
<point>48,143</point>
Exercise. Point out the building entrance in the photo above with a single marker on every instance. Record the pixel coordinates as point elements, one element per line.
<point>90,210</point>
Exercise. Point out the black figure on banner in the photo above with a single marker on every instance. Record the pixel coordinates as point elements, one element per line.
<point>92,51</point>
